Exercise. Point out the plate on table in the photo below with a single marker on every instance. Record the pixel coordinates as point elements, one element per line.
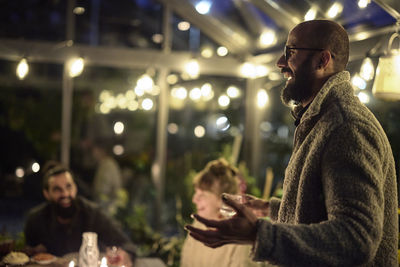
<point>16,258</point>
<point>44,258</point>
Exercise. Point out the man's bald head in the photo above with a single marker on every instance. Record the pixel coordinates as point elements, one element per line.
<point>328,35</point>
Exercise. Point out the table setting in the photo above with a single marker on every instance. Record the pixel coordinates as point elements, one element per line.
<point>16,258</point>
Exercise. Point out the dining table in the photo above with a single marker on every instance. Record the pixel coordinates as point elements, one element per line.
<point>66,259</point>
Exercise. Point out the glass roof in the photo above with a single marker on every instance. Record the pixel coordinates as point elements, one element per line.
<point>138,23</point>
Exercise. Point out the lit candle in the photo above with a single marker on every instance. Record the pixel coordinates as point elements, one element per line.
<point>103,262</point>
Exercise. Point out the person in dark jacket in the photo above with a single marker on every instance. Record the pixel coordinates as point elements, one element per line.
<point>57,225</point>
<point>339,204</point>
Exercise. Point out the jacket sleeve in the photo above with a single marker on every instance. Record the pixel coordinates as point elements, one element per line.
<point>274,204</point>
<point>352,181</point>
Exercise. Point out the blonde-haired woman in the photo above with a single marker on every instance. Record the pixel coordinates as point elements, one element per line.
<point>216,178</point>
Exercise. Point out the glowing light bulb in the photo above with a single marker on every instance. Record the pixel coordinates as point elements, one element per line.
<point>192,68</point>
<point>363,3</point>
<point>335,10</point>
<point>180,93</point>
<point>222,51</point>
<point>364,97</point>
<point>183,26</point>
<point>267,38</point>
<point>195,94</point>
<point>145,82</point>
<point>173,128</point>
<point>224,100</point>
<point>207,91</point>
<point>76,67</point>
<point>35,167</point>
<point>233,91</point>
<point>119,127</point>
<point>311,14</point>
<point>261,71</point>
<point>147,104</point>
<point>248,70</point>
<point>19,172</point>
<point>22,69</point>
<point>262,98</point>
<point>118,150</point>
<point>207,52</point>
<point>199,131</point>
<point>358,82</point>
<point>203,7</point>
<point>367,69</point>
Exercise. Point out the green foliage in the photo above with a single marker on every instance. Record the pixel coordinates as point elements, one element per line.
<point>20,241</point>
<point>17,243</point>
<point>149,242</point>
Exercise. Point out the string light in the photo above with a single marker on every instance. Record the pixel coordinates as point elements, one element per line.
<point>195,94</point>
<point>334,10</point>
<point>262,98</point>
<point>358,82</point>
<point>183,26</point>
<point>119,127</point>
<point>233,91</point>
<point>222,51</point>
<point>311,14</point>
<point>35,167</point>
<point>147,104</point>
<point>224,100</point>
<point>22,69</point>
<point>367,70</point>
<point>199,131</point>
<point>145,82</point>
<point>179,92</point>
<point>364,97</point>
<point>76,67</point>
<point>192,68</point>
<point>363,3</point>
<point>267,38</point>
<point>203,7</point>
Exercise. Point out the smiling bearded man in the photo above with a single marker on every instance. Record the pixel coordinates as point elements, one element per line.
<point>57,225</point>
<point>297,88</point>
<point>339,201</point>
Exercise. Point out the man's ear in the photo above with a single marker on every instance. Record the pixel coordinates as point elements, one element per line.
<point>325,58</point>
<point>46,194</point>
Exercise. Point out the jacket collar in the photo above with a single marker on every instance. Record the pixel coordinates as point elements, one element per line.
<point>315,106</point>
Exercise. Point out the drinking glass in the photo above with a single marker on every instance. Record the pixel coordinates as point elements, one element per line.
<point>228,211</point>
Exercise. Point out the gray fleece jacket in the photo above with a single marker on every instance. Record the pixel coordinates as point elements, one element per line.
<point>339,205</point>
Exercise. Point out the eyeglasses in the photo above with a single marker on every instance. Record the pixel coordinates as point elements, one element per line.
<point>287,50</point>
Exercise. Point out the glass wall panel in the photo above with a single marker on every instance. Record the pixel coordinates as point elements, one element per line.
<point>33,19</point>
<point>30,122</point>
<point>114,120</point>
<point>119,23</point>
<point>205,116</point>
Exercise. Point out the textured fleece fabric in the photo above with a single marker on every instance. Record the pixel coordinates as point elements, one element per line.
<point>339,204</point>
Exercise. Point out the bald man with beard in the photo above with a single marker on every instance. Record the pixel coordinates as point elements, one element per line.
<point>339,203</point>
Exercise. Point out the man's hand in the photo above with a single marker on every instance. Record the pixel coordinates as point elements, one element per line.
<point>259,206</point>
<point>240,229</point>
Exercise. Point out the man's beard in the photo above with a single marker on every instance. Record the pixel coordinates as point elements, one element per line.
<point>300,88</point>
<point>65,212</point>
